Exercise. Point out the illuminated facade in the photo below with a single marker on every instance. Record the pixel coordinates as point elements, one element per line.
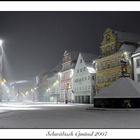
<point>115,46</point>
<point>84,79</point>
<point>68,65</point>
<point>53,87</point>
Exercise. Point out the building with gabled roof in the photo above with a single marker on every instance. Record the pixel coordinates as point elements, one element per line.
<point>66,75</point>
<point>115,46</point>
<point>84,78</point>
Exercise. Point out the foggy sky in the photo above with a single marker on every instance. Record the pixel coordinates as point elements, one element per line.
<point>34,42</point>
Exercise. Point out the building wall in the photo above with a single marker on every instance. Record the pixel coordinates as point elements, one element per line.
<point>108,67</point>
<point>83,82</point>
<point>53,88</point>
<point>136,68</point>
<point>66,77</point>
<point>66,85</point>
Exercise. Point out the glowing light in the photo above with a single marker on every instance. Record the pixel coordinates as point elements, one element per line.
<point>2,83</point>
<point>26,92</point>
<point>1,42</point>
<point>48,90</point>
<point>32,90</point>
<point>60,74</point>
<point>72,72</point>
<point>57,82</point>
<point>4,80</point>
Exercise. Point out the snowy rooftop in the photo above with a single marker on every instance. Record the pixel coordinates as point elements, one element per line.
<point>122,88</point>
<point>88,58</point>
<point>127,47</point>
<point>137,50</point>
<point>125,36</point>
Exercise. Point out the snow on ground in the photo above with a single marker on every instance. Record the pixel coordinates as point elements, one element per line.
<point>41,115</point>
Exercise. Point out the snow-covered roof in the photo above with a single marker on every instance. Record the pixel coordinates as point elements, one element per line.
<point>127,47</point>
<point>125,36</point>
<point>122,88</point>
<point>137,50</point>
<point>91,70</point>
<point>88,58</point>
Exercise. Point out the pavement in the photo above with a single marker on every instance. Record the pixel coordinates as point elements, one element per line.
<point>42,115</point>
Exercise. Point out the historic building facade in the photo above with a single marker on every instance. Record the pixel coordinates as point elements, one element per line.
<point>115,47</point>
<point>84,79</point>
<point>66,75</point>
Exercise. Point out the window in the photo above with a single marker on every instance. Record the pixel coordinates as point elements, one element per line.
<point>138,77</point>
<point>108,65</point>
<point>85,78</point>
<point>93,78</point>
<point>84,68</point>
<point>81,69</point>
<point>80,60</point>
<point>88,87</point>
<point>138,62</point>
<point>77,71</point>
<point>88,77</point>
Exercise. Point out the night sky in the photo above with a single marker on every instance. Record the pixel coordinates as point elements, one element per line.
<point>34,42</point>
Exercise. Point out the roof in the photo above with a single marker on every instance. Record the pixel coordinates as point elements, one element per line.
<point>137,50</point>
<point>88,58</point>
<point>122,88</point>
<point>74,54</point>
<point>128,47</point>
<point>126,36</point>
